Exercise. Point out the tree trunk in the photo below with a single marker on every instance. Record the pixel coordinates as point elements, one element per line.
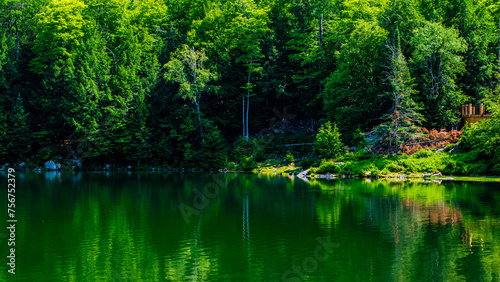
<point>199,119</point>
<point>198,96</point>
<point>243,114</point>
<point>320,42</point>
<point>17,41</point>
<point>248,103</point>
<point>320,30</point>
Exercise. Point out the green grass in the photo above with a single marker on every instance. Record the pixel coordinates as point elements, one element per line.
<point>467,165</point>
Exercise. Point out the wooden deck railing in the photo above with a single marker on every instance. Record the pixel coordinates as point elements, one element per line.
<point>473,113</point>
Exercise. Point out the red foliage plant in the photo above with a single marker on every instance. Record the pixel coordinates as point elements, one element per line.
<point>431,139</point>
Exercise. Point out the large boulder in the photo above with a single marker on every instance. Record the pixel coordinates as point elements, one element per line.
<point>51,165</point>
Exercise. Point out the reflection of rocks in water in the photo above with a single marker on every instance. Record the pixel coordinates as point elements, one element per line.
<point>77,177</point>
<point>21,175</point>
<point>52,175</point>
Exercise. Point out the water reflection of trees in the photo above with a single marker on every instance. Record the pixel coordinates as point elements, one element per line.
<point>128,227</point>
<point>432,237</point>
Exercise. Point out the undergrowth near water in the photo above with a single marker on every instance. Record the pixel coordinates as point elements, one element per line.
<point>422,162</point>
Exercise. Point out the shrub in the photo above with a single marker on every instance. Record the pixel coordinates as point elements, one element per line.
<point>362,167</point>
<point>247,163</point>
<point>289,158</point>
<point>433,162</point>
<point>329,166</point>
<point>422,154</point>
<point>328,142</point>
<point>484,136</point>
<point>231,166</point>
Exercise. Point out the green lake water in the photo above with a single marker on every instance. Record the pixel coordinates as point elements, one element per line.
<point>248,227</point>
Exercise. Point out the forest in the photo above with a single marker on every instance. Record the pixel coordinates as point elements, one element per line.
<point>192,83</point>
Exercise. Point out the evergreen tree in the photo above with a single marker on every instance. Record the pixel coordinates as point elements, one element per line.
<point>400,125</point>
<point>328,142</point>
<point>18,132</point>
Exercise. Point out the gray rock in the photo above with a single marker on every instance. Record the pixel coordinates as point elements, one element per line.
<point>456,148</point>
<point>50,165</point>
<point>303,174</point>
<point>441,150</point>
<point>76,162</point>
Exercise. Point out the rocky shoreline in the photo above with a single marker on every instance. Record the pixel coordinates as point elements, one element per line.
<point>54,166</point>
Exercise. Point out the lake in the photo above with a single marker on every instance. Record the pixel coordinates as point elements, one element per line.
<point>248,227</point>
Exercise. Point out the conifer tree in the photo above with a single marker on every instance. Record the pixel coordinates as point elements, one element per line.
<point>401,121</point>
<point>18,132</point>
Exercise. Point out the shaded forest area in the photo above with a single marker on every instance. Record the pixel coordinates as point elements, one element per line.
<point>186,82</point>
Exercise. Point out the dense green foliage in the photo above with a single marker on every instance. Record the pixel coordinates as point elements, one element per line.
<point>177,82</point>
<point>420,163</point>
<point>328,143</point>
<point>485,135</point>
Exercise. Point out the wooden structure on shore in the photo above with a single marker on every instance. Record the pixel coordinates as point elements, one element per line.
<point>472,114</point>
